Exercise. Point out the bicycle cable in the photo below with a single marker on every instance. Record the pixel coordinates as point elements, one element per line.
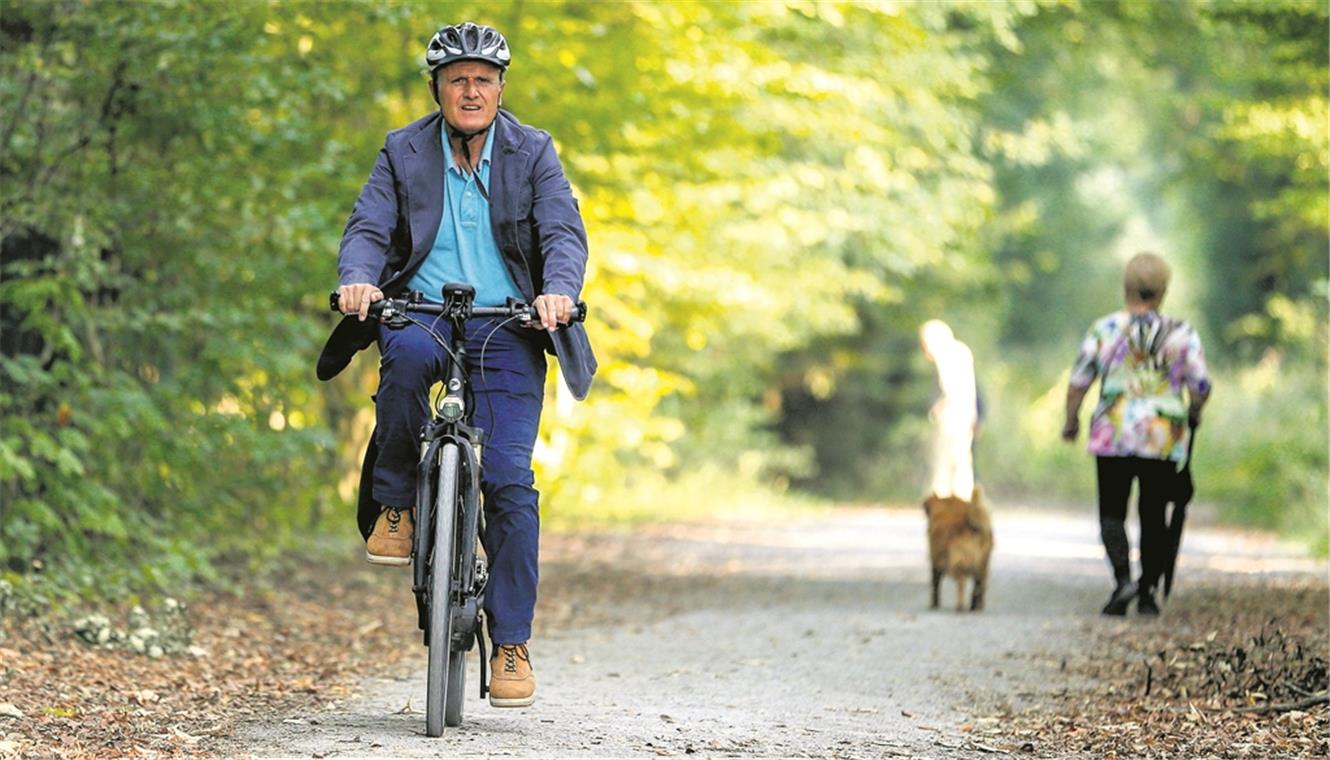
<point>429,329</point>
<point>484,345</point>
<point>438,339</point>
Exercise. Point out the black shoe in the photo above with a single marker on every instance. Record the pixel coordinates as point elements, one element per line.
<point>1145,603</point>
<point>1121,598</point>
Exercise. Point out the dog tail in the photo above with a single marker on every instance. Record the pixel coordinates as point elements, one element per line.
<point>977,514</point>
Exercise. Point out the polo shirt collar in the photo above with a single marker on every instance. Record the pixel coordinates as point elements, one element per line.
<point>485,152</point>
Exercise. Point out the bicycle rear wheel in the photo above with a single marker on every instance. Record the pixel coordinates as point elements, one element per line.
<point>440,595</point>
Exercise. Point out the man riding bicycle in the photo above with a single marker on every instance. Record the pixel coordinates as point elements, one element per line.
<point>467,194</point>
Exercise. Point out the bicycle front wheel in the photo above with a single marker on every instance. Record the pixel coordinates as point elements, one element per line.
<point>452,713</point>
<point>440,594</point>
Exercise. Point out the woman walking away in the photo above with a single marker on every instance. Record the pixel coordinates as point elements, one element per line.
<point>1152,384</point>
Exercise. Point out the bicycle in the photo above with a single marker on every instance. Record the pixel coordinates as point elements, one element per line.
<point>449,520</point>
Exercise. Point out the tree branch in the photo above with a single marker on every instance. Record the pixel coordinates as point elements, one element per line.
<point>28,87</point>
<point>1320,698</point>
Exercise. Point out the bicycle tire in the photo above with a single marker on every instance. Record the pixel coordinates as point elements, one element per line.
<point>464,556</point>
<point>456,698</point>
<point>440,592</point>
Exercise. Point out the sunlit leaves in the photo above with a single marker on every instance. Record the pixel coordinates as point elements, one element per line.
<point>775,192</point>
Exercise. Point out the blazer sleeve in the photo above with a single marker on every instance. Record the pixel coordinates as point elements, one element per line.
<point>369,231</point>
<point>558,224</point>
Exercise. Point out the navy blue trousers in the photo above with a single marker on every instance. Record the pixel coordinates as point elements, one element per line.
<point>509,394</point>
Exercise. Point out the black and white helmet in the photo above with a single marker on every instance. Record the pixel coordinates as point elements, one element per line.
<point>467,42</point>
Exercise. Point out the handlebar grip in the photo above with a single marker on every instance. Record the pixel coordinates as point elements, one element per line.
<point>335,304</point>
<point>580,313</point>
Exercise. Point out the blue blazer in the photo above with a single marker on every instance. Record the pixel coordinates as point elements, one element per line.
<point>533,214</point>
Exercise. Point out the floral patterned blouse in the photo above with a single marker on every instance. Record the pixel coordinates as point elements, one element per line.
<point>1144,362</point>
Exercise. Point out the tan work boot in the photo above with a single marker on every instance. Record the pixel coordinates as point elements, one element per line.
<point>390,543</point>
<point>512,683</point>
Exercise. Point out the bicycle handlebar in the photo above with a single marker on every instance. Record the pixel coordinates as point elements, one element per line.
<point>388,308</point>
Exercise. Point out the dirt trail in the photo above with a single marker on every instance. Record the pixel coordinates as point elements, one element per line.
<point>808,638</point>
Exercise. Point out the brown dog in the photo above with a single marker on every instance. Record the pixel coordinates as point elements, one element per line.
<point>960,542</point>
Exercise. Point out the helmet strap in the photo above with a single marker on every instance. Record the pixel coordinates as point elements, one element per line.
<point>466,137</point>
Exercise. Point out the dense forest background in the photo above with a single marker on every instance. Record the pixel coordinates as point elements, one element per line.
<point>777,195</point>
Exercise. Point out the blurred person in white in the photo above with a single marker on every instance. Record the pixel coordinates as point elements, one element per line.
<point>955,415</point>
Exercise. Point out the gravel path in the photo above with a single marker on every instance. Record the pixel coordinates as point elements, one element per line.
<point>807,638</point>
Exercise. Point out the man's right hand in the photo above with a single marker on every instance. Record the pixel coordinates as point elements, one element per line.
<point>355,299</point>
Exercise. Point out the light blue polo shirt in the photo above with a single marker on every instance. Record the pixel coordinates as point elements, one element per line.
<point>464,250</point>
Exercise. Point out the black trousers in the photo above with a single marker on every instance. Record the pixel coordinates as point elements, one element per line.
<point>1115,475</point>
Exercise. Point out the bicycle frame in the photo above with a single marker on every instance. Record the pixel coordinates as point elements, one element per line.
<point>449,428</point>
<point>450,597</point>
<point>468,439</point>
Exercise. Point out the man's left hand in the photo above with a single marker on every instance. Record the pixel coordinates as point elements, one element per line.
<point>554,310</point>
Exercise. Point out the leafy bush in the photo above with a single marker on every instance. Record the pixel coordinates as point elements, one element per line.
<point>155,410</point>
<point>1262,449</point>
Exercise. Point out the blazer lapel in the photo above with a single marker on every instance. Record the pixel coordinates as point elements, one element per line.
<point>424,182</point>
<point>507,163</point>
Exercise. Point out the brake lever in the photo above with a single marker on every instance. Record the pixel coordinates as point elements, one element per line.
<point>393,319</point>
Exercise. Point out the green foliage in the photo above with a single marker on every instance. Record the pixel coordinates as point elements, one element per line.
<point>155,240</point>
<point>777,194</point>
<point>1264,449</point>
<point>1019,454</point>
<point>1208,121</point>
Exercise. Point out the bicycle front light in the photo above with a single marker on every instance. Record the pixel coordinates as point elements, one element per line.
<point>451,409</point>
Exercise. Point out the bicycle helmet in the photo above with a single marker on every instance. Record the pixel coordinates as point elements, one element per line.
<point>467,42</point>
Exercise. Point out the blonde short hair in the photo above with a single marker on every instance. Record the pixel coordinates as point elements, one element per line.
<point>934,334</point>
<point>1146,279</point>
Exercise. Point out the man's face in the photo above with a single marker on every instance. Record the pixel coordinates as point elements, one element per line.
<point>469,94</point>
